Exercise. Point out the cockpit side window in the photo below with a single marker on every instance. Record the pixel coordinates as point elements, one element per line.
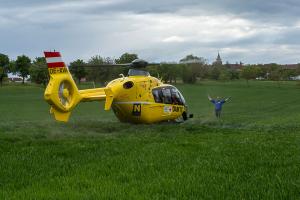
<point>157,94</point>
<point>168,95</point>
<point>175,97</point>
<point>181,97</point>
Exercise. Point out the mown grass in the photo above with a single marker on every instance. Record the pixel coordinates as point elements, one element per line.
<point>252,153</point>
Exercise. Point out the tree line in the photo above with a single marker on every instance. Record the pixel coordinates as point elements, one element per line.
<point>190,69</point>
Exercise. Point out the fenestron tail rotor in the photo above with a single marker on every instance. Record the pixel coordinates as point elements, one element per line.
<point>65,93</point>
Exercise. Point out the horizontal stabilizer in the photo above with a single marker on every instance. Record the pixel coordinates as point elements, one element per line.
<point>109,98</point>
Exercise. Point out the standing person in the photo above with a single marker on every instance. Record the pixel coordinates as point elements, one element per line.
<point>218,102</point>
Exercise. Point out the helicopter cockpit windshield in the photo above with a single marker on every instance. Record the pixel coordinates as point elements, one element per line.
<point>138,72</point>
<point>168,95</point>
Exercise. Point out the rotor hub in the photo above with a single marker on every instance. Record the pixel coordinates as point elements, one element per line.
<point>66,93</point>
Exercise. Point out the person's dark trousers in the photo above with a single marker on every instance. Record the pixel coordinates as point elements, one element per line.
<point>218,113</point>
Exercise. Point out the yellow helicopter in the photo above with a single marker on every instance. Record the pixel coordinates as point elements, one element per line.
<point>136,98</point>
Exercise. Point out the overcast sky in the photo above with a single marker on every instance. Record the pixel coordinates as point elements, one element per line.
<point>251,31</point>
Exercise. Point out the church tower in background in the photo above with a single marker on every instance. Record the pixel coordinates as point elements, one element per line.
<point>218,61</point>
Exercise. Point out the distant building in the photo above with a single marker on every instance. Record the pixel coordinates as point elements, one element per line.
<point>281,66</point>
<point>236,66</point>
<point>16,78</point>
<point>218,61</point>
<point>290,66</point>
<point>83,79</point>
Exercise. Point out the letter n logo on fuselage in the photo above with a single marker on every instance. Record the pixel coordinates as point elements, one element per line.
<point>136,109</point>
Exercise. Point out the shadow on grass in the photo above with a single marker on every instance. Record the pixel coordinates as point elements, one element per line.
<point>91,129</point>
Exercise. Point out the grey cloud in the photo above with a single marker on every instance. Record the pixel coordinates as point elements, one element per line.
<point>290,37</point>
<point>283,10</point>
<point>278,11</point>
<point>85,28</point>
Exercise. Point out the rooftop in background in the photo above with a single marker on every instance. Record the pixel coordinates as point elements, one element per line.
<point>290,66</point>
<point>13,76</point>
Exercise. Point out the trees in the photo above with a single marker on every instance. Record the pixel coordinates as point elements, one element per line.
<point>77,69</point>
<point>187,75</point>
<point>39,71</point>
<point>225,75</point>
<point>247,73</point>
<point>276,73</point>
<point>100,74</point>
<point>288,74</point>
<point>194,67</point>
<point>222,73</point>
<point>250,72</point>
<point>12,66</point>
<point>4,65</point>
<point>234,74</point>
<point>94,74</point>
<point>190,69</point>
<point>168,72</point>
<point>22,65</point>
<point>105,73</point>
<point>192,59</point>
<point>164,72</point>
<point>193,71</point>
<point>297,70</point>
<point>126,58</point>
<point>214,72</point>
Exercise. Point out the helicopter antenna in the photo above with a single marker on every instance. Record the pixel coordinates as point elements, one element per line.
<point>122,76</point>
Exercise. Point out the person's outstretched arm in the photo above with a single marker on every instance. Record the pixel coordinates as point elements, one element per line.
<point>227,99</point>
<point>209,98</point>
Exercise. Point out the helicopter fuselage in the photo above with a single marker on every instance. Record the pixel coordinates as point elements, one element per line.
<point>145,99</point>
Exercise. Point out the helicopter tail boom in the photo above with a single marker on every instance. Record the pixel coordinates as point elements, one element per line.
<point>62,92</point>
<point>98,94</point>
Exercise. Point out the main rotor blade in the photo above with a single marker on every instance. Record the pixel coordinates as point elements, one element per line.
<point>102,65</point>
<point>137,63</point>
<point>154,64</point>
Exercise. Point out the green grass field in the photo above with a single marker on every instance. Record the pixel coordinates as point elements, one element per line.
<point>252,153</point>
